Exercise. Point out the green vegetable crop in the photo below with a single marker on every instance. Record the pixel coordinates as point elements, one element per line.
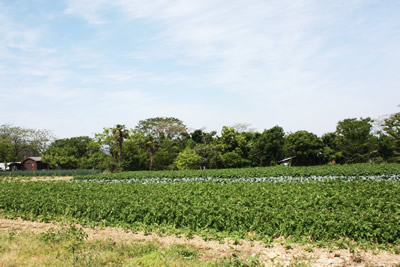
<point>355,170</point>
<point>359,210</point>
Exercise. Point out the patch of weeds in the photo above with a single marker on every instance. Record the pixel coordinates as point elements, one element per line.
<point>206,238</point>
<point>71,237</point>
<point>237,241</point>
<point>236,261</point>
<point>301,260</point>
<point>136,250</point>
<point>184,252</point>
<point>268,241</point>
<point>320,244</point>
<point>71,233</point>
<point>356,258</point>
<point>11,235</point>
<point>252,236</point>
<point>309,249</point>
<point>189,235</point>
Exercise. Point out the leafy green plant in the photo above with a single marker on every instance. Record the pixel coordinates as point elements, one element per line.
<point>278,173</point>
<point>330,210</point>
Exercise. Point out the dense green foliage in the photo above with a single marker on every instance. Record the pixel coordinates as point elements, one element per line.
<point>49,173</point>
<point>16,143</point>
<point>305,146</point>
<point>165,143</point>
<point>267,149</point>
<point>74,153</point>
<point>354,170</point>
<point>359,210</point>
<point>354,139</point>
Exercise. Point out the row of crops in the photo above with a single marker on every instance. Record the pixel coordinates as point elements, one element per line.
<point>359,210</point>
<point>48,173</point>
<point>276,173</point>
<point>279,179</point>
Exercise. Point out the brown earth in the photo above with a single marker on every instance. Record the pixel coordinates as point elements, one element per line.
<point>41,178</point>
<point>277,253</point>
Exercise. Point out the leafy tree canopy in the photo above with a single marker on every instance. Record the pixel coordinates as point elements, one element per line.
<point>25,142</point>
<point>268,147</point>
<point>162,127</point>
<point>391,127</point>
<point>188,159</point>
<point>355,140</point>
<point>306,146</point>
<point>75,153</point>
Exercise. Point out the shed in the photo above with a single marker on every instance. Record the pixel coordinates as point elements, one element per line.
<point>33,164</point>
<point>14,166</point>
<point>287,161</point>
<point>11,166</point>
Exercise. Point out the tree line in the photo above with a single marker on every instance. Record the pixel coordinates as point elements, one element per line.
<point>166,143</point>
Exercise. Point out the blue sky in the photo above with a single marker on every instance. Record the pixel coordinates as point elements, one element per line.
<point>76,66</point>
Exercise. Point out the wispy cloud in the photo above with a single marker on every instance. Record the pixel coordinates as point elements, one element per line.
<point>254,46</point>
<point>299,64</point>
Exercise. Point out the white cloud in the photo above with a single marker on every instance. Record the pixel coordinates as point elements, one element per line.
<point>291,63</point>
<point>88,9</point>
<point>16,35</point>
<point>255,45</point>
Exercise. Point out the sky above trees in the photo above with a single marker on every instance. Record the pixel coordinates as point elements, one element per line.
<point>77,66</point>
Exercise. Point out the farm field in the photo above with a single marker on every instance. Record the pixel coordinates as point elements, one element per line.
<point>349,206</point>
<point>385,171</point>
<point>46,173</point>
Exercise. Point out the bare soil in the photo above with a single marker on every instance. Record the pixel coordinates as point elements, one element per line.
<point>42,178</point>
<point>276,253</point>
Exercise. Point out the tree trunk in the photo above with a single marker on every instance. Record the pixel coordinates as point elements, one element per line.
<point>151,154</point>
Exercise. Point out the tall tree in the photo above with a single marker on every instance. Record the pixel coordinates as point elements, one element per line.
<point>232,141</point>
<point>162,135</point>
<point>306,146</point>
<point>355,140</point>
<point>120,133</point>
<point>331,152</point>
<point>162,127</point>
<point>135,156</point>
<point>267,149</point>
<point>199,136</point>
<point>151,147</point>
<point>25,142</point>
<point>391,128</point>
<point>6,151</point>
<point>234,148</point>
<point>210,155</point>
<point>188,159</point>
<point>73,153</point>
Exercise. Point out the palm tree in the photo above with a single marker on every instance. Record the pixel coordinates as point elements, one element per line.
<point>120,133</point>
<point>151,146</point>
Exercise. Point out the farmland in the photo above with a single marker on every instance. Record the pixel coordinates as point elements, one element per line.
<point>277,173</point>
<point>359,210</point>
<point>358,203</point>
<point>47,173</point>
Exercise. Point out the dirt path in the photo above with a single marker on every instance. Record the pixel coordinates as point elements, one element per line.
<point>41,178</point>
<point>211,250</point>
